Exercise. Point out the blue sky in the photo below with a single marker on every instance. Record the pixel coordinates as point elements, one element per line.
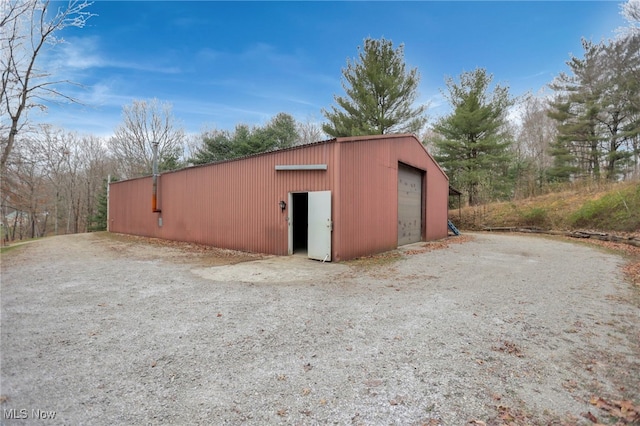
<point>224,63</point>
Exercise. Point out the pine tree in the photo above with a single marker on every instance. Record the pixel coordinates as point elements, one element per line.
<point>279,133</point>
<point>474,146</point>
<point>379,94</point>
<point>98,222</point>
<point>597,109</point>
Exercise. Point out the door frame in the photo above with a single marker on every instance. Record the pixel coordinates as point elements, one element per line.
<point>290,233</point>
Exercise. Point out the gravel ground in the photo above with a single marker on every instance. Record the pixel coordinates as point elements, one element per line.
<point>496,329</point>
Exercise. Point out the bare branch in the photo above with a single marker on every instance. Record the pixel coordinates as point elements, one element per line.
<point>145,122</point>
<point>25,31</point>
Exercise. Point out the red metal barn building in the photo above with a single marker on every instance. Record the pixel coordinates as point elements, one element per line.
<point>334,200</point>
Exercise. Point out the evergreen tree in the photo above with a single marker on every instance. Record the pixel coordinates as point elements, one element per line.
<point>216,145</point>
<point>98,222</point>
<point>279,133</point>
<point>597,109</point>
<point>474,148</point>
<point>576,109</point>
<point>379,94</point>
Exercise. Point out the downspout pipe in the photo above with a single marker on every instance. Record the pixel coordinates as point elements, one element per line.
<point>154,196</point>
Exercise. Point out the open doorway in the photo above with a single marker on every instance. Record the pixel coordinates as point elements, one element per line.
<point>300,222</point>
<point>310,224</point>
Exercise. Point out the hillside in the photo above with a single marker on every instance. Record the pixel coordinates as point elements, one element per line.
<point>604,207</point>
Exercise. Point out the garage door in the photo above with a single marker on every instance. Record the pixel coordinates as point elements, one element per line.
<point>409,205</point>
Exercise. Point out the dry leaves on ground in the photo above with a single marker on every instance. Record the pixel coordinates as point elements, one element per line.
<point>440,244</point>
<point>512,417</point>
<point>509,348</point>
<point>625,412</point>
<point>395,255</point>
<point>632,268</point>
<point>182,249</point>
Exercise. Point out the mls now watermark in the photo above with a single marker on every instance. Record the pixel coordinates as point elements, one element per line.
<point>24,414</point>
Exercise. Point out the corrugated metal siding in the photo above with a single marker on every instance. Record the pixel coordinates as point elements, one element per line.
<point>368,193</point>
<point>130,207</point>
<point>368,199</point>
<point>235,204</point>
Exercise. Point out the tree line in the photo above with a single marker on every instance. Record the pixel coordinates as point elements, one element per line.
<point>492,145</point>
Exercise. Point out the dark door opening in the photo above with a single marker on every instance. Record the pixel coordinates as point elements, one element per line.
<point>300,218</point>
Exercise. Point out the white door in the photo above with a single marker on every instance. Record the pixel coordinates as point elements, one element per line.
<point>319,226</point>
<point>290,223</point>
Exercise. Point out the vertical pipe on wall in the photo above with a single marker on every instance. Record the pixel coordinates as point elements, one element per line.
<point>154,196</point>
<point>108,194</point>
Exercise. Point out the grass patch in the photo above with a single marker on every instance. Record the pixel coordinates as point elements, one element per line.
<point>618,210</point>
<point>17,243</point>
<point>7,249</point>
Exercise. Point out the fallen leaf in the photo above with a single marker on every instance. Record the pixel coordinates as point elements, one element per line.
<point>625,406</point>
<point>306,391</point>
<point>570,385</point>
<point>397,400</point>
<point>282,412</point>
<point>600,403</point>
<point>622,410</point>
<point>590,417</point>
<point>154,363</point>
<point>510,348</point>
<point>307,366</point>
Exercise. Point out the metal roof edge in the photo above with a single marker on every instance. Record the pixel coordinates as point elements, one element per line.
<point>213,163</point>
<point>346,139</point>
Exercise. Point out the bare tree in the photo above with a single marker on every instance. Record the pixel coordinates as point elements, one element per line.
<point>98,166</point>
<point>26,28</point>
<point>76,165</point>
<point>309,131</point>
<point>145,123</point>
<point>52,182</point>
<point>24,192</point>
<point>534,137</point>
<point>631,13</point>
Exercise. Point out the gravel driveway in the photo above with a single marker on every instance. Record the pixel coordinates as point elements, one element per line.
<point>104,331</point>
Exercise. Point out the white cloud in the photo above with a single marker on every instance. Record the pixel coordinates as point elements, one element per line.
<point>84,53</point>
<point>80,53</point>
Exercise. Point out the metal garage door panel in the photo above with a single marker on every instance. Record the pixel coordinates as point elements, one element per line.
<point>409,205</point>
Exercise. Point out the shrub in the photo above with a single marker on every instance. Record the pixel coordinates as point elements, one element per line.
<point>536,216</point>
